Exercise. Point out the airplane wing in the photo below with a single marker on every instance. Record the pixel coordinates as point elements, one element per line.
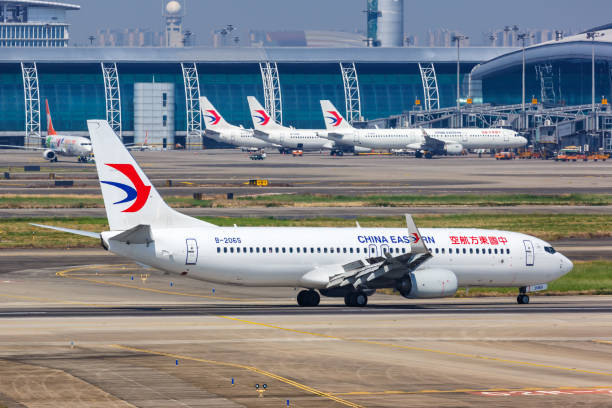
<point>70,231</point>
<point>26,147</point>
<point>364,271</point>
<point>333,135</point>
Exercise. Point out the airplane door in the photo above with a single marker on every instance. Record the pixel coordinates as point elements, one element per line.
<point>529,257</point>
<point>355,138</point>
<point>384,248</point>
<point>192,252</point>
<point>506,137</point>
<point>372,251</point>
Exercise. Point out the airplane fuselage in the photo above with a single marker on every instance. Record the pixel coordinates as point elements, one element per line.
<point>304,139</point>
<point>239,137</point>
<point>69,145</point>
<point>414,138</point>
<point>281,256</point>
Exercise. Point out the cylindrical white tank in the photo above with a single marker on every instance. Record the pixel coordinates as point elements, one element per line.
<point>390,31</point>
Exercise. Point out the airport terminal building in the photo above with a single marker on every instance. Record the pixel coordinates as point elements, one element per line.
<point>153,92</point>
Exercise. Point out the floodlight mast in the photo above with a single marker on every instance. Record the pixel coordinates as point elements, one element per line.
<point>591,35</point>
<point>457,38</point>
<point>523,37</point>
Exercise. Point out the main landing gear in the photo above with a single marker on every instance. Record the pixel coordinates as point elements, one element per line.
<point>522,298</point>
<point>308,298</point>
<point>358,299</point>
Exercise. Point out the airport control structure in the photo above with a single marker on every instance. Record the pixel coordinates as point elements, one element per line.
<point>153,93</point>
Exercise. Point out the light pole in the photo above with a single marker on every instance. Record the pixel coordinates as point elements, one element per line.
<point>457,38</point>
<point>522,37</point>
<point>591,35</point>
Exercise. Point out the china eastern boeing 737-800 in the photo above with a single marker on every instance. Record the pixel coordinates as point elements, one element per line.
<point>337,262</point>
<point>425,142</point>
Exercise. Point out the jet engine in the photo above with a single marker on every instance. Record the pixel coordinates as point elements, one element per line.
<point>453,148</point>
<point>360,149</point>
<point>49,155</point>
<point>428,283</point>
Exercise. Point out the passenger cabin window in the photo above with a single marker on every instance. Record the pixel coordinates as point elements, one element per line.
<point>218,249</point>
<point>325,250</point>
<point>225,250</point>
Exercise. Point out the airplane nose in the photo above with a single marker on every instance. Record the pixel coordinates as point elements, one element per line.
<point>522,140</point>
<point>566,264</point>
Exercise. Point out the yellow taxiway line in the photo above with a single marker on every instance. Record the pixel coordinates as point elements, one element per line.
<point>427,350</point>
<point>66,274</point>
<point>244,367</point>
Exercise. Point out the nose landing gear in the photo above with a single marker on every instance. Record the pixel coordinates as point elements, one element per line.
<point>522,298</point>
<point>308,298</point>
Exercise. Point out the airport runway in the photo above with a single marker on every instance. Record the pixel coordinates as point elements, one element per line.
<point>115,335</point>
<point>222,171</point>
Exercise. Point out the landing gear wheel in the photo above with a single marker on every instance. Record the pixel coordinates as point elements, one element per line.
<point>360,299</point>
<point>418,154</point>
<point>522,299</point>
<point>356,299</point>
<point>308,298</point>
<point>428,155</point>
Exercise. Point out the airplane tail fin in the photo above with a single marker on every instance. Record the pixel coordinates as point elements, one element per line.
<point>50,130</point>
<point>130,198</point>
<point>334,121</point>
<point>212,118</point>
<point>261,119</point>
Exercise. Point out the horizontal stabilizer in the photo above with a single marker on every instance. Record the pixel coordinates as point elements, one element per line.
<point>70,231</point>
<point>140,234</point>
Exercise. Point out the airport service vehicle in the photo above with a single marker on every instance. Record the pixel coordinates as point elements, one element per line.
<point>504,156</point>
<point>337,262</point>
<point>257,156</point>
<point>218,129</point>
<point>297,153</point>
<point>289,138</point>
<point>61,145</point>
<point>425,142</point>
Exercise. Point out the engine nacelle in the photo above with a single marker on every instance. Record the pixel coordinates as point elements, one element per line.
<point>49,154</point>
<point>361,149</point>
<point>453,148</point>
<point>428,283</point>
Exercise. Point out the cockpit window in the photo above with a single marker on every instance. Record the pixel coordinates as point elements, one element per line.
<point>85,144</point>
<point>550,249</point>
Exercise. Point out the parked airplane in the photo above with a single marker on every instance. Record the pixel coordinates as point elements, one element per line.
<point>60,145</point>
<point>266,128</point>
<point>218,129</point>
<point>425,142</point>
<point>338,262</point>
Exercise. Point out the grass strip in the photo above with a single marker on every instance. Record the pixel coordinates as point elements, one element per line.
<point>17,233</point>
<point>307,200</point>
<point>486,200</point>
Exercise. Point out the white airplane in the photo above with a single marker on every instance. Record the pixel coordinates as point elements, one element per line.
<point>60,145</point>
<point>337,262</point>
<point>218,129</point>
<point>141,147</point>
<point>269,130</point>
<point>425,142</point>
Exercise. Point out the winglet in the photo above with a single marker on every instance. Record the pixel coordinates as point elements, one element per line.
<point>417,246</point>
